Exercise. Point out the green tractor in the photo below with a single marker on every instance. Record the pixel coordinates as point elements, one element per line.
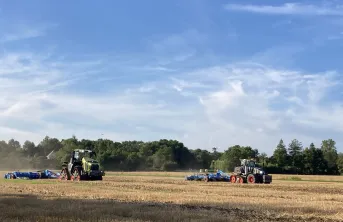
<point>82,166</point>
<point>248,172</point>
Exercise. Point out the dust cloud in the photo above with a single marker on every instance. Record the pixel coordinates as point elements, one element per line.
<point>13,161</point>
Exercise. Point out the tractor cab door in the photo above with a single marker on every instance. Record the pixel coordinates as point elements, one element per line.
<point>251,165</point>
<point>71,162</point>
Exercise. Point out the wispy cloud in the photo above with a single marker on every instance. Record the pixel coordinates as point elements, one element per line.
<point>22,31</point>
<point>289,9</point>
<point>176,48</point>
<point>23,34</point>
<point>169,90</point>
<point>228,103</point>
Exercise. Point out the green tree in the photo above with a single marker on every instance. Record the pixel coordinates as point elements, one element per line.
<point>296,156</point>
<point>216,155</point>
<point>263,159</point>
<point>340,163</point>
<point>203,159</point>
<point>329,150</point>
<point>4,146</point>
<point>162,156</point>
<point>232,156</point>
<point>319,164</point>
<point>309,157</point>
<point>14,145</point>
<point>47,145</point>
<point>280,154</point>
<point>29,148</point>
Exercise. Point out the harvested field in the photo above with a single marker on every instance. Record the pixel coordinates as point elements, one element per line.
<point>167,197</point>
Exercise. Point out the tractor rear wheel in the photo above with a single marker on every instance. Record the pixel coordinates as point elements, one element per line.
<point>251,178</point>
<point>240,180</point>
<point>76,175</point>
<point>64,174</point>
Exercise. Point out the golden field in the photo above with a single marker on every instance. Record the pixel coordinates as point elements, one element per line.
<point>153,196</point>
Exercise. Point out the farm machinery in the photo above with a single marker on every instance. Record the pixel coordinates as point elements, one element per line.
<point>41,174</point>
<point>248,172</point>
<point>219,176</point>
<point>82,166</point>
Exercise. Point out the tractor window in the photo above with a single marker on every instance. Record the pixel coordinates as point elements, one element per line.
<point>82,155</point>
<point>76,155</point>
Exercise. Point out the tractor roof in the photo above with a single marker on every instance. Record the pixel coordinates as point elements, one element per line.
<point>83,151</point>
<point>247,161</point>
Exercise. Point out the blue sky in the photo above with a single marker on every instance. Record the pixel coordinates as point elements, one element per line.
<point>207,73</point>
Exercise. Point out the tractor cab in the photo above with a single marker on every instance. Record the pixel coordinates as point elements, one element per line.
<point>78,155</point>
<point>248,163</point>
<point>247,166</point>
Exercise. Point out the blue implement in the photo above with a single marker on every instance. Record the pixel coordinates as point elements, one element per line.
<point>219,176</point>
<point>44,174</point>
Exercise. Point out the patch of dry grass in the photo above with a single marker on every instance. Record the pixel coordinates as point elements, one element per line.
<point>167,197</point>
<point>316,178</point>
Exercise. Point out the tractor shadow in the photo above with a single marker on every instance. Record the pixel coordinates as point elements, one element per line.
<point>28,207</point>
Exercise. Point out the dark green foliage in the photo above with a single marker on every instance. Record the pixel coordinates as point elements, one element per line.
<point>169,155</point>
<point>329,150</point>
<point>340,163</point>
<point>280,154</point>
<point>314,162</point>
<point>231,157</point>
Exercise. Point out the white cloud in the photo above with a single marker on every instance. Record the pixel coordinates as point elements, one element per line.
<point>289,9</point>
<point>240,103</point>
<point>237,103</point>
<point>258,98</point>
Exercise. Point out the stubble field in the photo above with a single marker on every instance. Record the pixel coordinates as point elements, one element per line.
<point>151,196</point>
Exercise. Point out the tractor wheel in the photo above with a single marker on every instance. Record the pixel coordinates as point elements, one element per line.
<point>233,179</point>
<point>251,178</point>
<point>206,179</point>
<point>76,176</point>
<point>240,180</point>
<point>237,179</point>
<point>64,174</point>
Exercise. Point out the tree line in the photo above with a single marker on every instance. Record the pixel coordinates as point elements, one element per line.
<point>170,155</point>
